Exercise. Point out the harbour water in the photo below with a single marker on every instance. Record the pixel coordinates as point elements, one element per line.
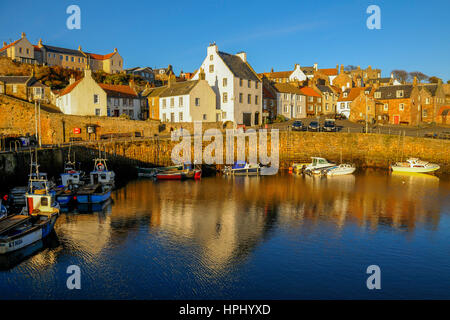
<point>273,237</point>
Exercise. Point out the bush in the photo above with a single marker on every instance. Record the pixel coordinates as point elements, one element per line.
<point>280,118</point>
<point>125,116</point>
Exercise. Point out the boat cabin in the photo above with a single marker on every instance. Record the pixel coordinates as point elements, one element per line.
<point>101,174</point>
<point>319,161</point>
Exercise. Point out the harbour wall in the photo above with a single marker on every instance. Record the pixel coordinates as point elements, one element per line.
<point>364,150</point>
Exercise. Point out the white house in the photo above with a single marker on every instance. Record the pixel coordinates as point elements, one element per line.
<point>291,102</point>
<point>122,99</point>
<point>297,74</point>
<point>237,87</point>
<point>187,101</point>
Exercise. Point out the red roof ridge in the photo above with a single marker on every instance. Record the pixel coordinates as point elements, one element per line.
<point>9,45</point>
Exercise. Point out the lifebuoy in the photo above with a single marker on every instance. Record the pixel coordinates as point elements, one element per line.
<point>100,167</point>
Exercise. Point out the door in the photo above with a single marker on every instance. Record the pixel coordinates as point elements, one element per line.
<point>247,119</point>
<point>396,119</point>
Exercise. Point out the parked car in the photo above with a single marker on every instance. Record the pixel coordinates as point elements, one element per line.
<point>340,116</point>
<point>314,126</point>
<point>329,125</point>
<point>297,126</point>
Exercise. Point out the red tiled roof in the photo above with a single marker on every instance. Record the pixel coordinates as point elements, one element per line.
<point>351,95</point>
<point>69,88</point>
<point>9,45</point>
<point>329,72</point>
<point>307,91</point>
<point>116,88</point>
<point>36,48</point>
<point>101,57</point>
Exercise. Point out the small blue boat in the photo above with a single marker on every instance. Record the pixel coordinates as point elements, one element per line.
<point>93,193</point>
<point>71,180</point>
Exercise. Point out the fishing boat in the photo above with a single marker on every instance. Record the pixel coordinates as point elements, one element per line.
<point>188,172</point>
<point>340,170</point>
<point>101,174</point>
<point>317,165</point>
<point>151,172</point>
<point>71,180</point>
<point>36,220</point>
<point>93,193</point>
<point>414,165</point>
<point>242,168</point>
<point>3,210</point>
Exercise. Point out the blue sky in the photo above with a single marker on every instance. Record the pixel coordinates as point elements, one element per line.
<point>414,35</point>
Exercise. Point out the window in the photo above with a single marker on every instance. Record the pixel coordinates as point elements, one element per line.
<point>172,102</point>
<point>14,88</point>
<point>319,99</point>
<point>401,107</point>
<point>310,108</point>
<point>164,103</point>
<point>256,84</point>
<point>49,55</point>
<point>240,82</point>
<point>28,51</point>
<point>386,107</point>
<point>211,68</point>
<point>164,117</point>
<point>326,106</point>
<point>60,57</point>
<point>197,102</point>
<point>67,58</point>
<point>211,57</point>
<point>225,97</point>
<point>285,108</point>
<point>249,83</point>
<point>97,112</point>
<point>310,99</point>
<point>240,97</point>
<point>72,59</point>
<point>180,101</point>
<point>249,98</point>
<point>96,98</point>
<point>377,95</point>
<point>205,117</point>
<point>180,116</point>
<point>224,82</point>
<point>20,50</point>
<point>172,117</point>
<point>256,99</point>
<point>424,113</point>
<point>399,93</point>
<point>427,101</point>
<point>153,102</point>
<point>345,94</point>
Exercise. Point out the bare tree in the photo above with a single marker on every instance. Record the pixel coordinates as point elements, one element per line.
<point>350,67</point>
<point>419,75</point>
<point>401,75</point>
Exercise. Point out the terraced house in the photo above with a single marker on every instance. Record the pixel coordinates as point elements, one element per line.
<point>237,87</point>
<point>25,88</point>
<point>397,104</point>
<point>187,101</point>
<point>428,99</point>
<point>291,101</point>
<point>23,51</point>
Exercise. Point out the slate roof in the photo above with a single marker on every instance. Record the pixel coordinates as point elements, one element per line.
<point>308,71</point>
<point>324,88</point>
<point>179,88</point>
<point>63,51</point>
<point>390,92</point>
<point>238,67</point>
<point>431,88</point>
<point>153,92</point>
<point>32,82</point>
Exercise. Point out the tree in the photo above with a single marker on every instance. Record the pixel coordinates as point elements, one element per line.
<point>419,75</point>
<point>401,75</point>
<point>350,67</point>
<point>448,81</point>
<point>434,79</point>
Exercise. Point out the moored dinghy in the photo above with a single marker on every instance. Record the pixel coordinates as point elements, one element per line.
<point>242,168</point>
<point>188,172</point>
<point>340,170</point>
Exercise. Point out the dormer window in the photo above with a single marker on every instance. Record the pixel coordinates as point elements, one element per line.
<point>399,93</point>
<point>377,95</point>
<point>345,94</point>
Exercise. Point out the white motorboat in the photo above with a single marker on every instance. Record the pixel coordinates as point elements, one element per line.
<point>340,170</point>
<point>317,165</point>
<point>414,165</point>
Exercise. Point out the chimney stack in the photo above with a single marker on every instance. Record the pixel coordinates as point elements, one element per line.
<point>201,75</point>
<point>23,35</point>
<point>415,81</point>
<point>315,66</point>
<point>342,69</point>
<point>4,43</point>
<point>72,79</point>
<point>40,45</point>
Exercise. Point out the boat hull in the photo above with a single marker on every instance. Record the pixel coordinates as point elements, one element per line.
<point>340,171</point>
<point>93,198</point>
<point>64,199</point>
<point>414,169</point>
<point>196,174</point>
<point>19,241</point>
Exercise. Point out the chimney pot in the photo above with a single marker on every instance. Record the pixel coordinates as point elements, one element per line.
<point>23,35</point>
